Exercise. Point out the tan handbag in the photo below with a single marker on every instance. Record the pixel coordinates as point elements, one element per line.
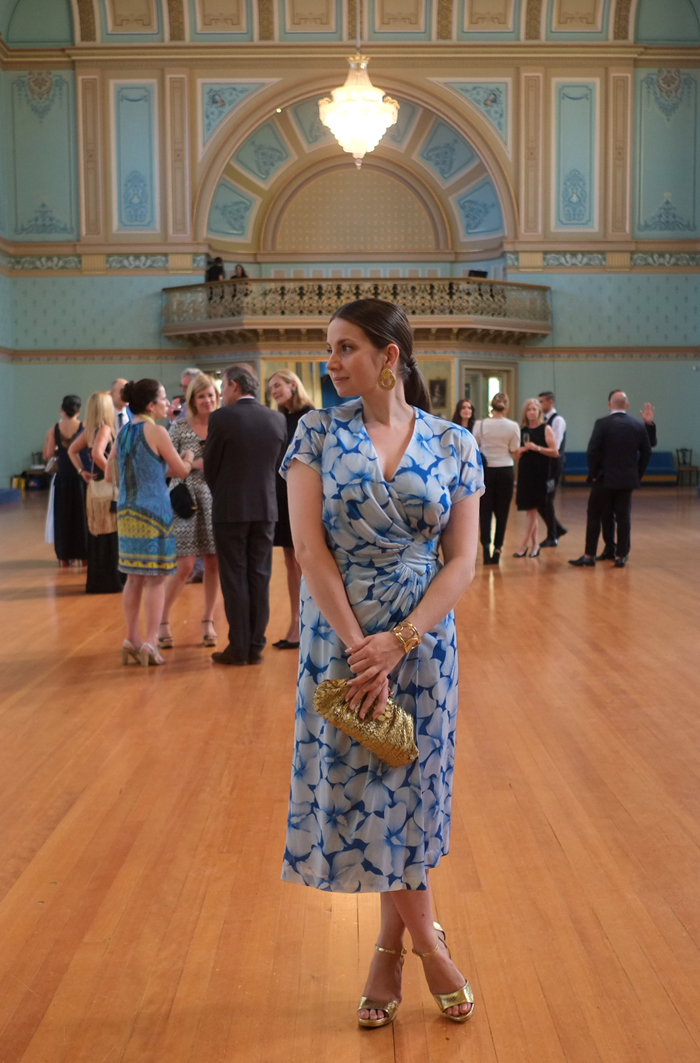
<point>101,504</point>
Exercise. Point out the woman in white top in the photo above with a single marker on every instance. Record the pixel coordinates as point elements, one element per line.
<point>499,440</point>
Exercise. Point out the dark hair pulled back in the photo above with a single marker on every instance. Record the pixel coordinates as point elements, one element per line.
<point>71,404</point>
<point>140,393</point>
<point>384,323</point>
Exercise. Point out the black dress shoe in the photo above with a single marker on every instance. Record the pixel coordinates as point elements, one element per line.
<point>561,530</point>
<point>224,657</point>
<point>285,644</point>
<point>255,658</point>
<point>620,562</point>
<point>549,542</point>
<point>605,556</point>
<point>583,562</point>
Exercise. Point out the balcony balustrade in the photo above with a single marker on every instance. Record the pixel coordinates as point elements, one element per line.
<point>445,309</point>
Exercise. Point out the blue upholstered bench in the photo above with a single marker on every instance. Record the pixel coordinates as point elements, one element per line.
<point>660,470</point>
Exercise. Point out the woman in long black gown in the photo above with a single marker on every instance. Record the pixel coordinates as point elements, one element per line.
<point>535,479</point>
<point>103,576</point>
<point>292,399</point>
<point>69,517</point>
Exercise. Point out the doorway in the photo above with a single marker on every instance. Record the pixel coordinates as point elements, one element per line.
<point>480,381</point>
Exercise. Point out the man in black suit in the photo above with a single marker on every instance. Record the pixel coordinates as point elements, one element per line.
<point>618,453</point>
<point>608,522</point>
<point>244,448</point>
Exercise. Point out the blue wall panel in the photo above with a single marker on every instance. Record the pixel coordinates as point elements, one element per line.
<point>447,153</point>
<point>667,155</point>
<point>135,156</point>
<point>263,153</point>
<point>480,210</point>
<point>41,23</point>
<point>670,22</point>
<point>574,151</point>
<point>42,187</point>
<point>231,212</point>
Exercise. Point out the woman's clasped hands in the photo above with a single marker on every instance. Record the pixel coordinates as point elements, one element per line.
<point>371,659</point>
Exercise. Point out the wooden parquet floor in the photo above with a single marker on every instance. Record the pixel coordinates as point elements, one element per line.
<point>142,813</point>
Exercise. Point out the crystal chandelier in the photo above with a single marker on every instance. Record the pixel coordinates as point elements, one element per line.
<point>358,114</point>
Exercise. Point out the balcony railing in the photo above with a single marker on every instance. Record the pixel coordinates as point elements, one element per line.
<point>446,308</point>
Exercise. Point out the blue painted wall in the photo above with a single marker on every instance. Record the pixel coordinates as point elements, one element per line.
<point>40,23</point>
<point>670,22</point>
<point>136,162</point>
<point>7,335</point>
<point>667,155</point>
<point>7,424</point>
<point>575,161</point>
<point>40,165</point>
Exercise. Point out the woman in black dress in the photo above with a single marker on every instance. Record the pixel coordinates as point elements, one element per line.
<point>290,395</point>
<point>464,414</point>
<point>69,517</point>
<point>103,576</point>
<point>535,479</point>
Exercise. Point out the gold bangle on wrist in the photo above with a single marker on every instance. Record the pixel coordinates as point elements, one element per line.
<point>408,635</point>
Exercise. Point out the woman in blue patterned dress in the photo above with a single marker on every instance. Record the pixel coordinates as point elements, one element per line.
<point>377,487</point>
<point>146,455</point>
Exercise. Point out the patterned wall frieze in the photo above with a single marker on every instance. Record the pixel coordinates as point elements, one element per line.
<point>177,144</point>
<point>53,263</point>
<point>665,260</point>
<point>131,16</point>
<point>621,25</point>
<point>101,263</point>
<point>533,20</point>
<point>488,16</point>
<point>490,97</point>
<point>135,181</point>
<point>176,20</point>
<point>90,156</point>
<point>574,259</point>
<point>531,139</point>
<point>137,262</point>
<point>445,19</point>
<point>575,159</point>
<point>615,260</point>
<point>619,154</point>
<point>86,21</point>
<point>266,20</point>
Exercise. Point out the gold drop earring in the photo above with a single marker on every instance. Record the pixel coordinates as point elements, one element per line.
<point>387,380</point>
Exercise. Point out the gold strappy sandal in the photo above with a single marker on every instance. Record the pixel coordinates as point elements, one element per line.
<point>460,996</point>
<point>389,1007</point>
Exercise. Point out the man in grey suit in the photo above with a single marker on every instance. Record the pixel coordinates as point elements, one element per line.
<point>245,445</point>
<point>618,453</point>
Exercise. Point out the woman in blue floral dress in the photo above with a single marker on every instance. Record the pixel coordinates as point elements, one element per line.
<point>376,488</point>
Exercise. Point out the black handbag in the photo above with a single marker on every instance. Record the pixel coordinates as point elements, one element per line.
<point>182,501</point>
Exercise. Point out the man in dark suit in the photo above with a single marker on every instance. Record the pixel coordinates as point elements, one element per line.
<point>608,522</point>
<point>618,453</point>
<point>245,445</point>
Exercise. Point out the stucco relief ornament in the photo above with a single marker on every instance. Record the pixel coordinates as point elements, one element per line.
<point>575,197</point>
<point>135,195</point>
<point>668,89</point>
<point>40,89</point>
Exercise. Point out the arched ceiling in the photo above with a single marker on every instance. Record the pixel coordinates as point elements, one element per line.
<point>59,23</point>
<point>268,186</point>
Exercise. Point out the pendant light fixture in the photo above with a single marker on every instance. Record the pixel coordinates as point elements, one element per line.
<point>358,114</point>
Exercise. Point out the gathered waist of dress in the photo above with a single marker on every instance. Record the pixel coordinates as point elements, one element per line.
<point>389,558</point>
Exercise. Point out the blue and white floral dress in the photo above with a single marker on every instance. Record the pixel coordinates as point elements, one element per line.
<point>355,824</point>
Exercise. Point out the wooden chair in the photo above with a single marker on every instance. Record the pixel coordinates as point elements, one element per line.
<point>687,472</point>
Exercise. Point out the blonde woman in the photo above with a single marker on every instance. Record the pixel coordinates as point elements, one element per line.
<point>498,439</point>
<point>292,399</point>
<point>103,576</point>
<point>194,536</point>
<point>535,477</point>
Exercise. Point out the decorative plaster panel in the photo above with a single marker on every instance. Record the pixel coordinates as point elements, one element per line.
<point>86,20</point>
<point>533,20</point>
<point>263,154</point>
<point>444,20</point>
<point>668,154</point>
<point>90,156</point>
<point>586,15</point>
<point>323,215</point>
<point>621,28</point>
<point>574,155</point>
<point>446,152</point>
<point>310,16</point>
<point>488,16</point>
<point>221,16</point>
<point>620,154</point>
<point>176,20</point>
<point>490,98</point>
<point>178,154</point>
<point>480,211</point>
<point>131,16</point>
<point>396,16</point>
<point>309,124</point>
<point>398,135</point>
<point>531,161</point>
<point>135,156</point>
<point>232,212</point>
<point>219,99</point>
<point>574,259</point>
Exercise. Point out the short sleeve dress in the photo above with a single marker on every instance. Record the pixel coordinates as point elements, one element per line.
<point>194,536</point>
<point>355,824</point>
<point>533,471</point>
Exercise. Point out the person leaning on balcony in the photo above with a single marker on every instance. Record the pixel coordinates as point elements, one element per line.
<point>499,440</point>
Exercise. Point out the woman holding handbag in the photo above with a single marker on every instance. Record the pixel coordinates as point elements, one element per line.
<point>103,576</point>
<point>192,526</point>
<point>377,489</point>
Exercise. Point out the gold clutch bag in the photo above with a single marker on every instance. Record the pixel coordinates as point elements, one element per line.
<point>391,736</point>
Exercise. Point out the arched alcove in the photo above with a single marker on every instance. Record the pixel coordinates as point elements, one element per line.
<point>40,22</point>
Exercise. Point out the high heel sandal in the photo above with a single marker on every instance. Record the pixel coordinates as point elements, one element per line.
<point>209,640</point>
<point>523,553</point>
<point>129,650</point>
<point>535,552</point>
<point>460,996</point>
<point>148,654</point>
<point>389,1007</point>
<point>165,642</point>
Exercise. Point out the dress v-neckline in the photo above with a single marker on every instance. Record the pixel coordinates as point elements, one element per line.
<point>374,450</point>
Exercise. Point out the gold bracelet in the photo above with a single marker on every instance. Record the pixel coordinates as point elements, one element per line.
<point>408,639</point>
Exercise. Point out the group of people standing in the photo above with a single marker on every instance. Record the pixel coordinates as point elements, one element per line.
<point>538,442</point>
